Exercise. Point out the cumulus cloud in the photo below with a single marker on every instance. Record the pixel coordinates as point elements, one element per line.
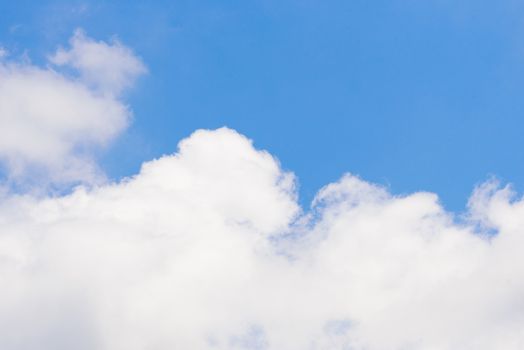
<point>108,67</point>
<point>208,249</point>
<point>51,119</point>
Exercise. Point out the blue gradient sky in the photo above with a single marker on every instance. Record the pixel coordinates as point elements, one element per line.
<point>413,95</point>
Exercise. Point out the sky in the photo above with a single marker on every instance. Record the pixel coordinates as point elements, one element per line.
<point>411,95</point>
<point>261,175</point>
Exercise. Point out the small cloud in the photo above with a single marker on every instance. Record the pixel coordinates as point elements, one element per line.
<point>108,67</point>
<point>51,123</point>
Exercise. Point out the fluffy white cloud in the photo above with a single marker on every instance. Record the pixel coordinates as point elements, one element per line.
<point>50,120</point>
<point>109,68</point>
<point>208,249</point>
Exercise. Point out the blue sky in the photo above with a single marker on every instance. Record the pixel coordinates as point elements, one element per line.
<point>413,95</point>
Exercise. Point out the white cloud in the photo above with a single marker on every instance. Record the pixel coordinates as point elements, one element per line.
<point>207,249</point>
<point>109,68</point>
<point>50,121</point>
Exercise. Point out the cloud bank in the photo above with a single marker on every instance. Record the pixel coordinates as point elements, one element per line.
<point>208,248</point>
<point>53,117</point>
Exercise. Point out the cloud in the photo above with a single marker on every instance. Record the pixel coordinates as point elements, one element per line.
<point>208,249</point>
<point>51,120</point>
<point>109,68</point>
